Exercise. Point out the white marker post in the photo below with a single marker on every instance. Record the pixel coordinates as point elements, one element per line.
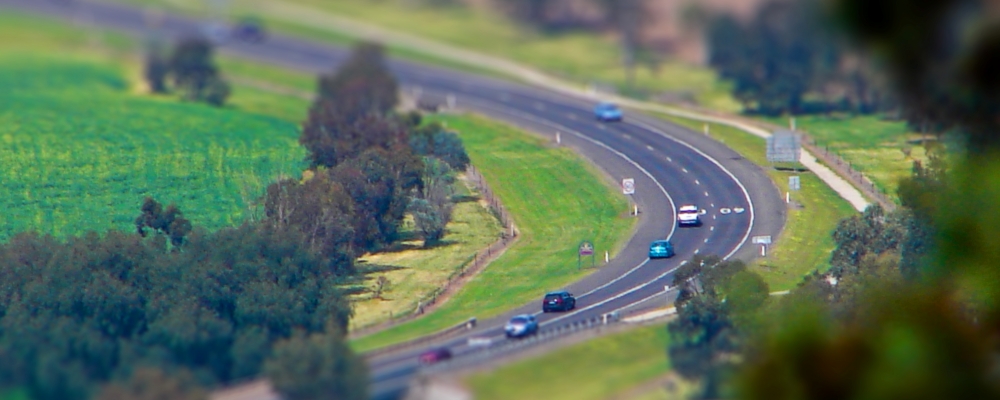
<point>788,198</point>
<point>635,209</point>
<point>763,250</point>
<point>607,257</point>
<point>558,138</point>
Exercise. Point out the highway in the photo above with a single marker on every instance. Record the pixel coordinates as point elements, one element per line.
<point>671,166</point>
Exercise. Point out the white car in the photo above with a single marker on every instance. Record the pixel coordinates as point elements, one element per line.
<point>688,215</point>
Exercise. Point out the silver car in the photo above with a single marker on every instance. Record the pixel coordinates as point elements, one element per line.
<point>521,326</point>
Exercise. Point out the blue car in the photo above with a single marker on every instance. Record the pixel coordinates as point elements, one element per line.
<point>661,249</point>
<point>607,112</point>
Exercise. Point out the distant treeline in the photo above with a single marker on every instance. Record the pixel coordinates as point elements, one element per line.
<point>171,309</point>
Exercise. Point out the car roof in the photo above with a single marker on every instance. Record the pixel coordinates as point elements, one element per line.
<point>557,293</point>
<point>660,242</point>
<point>688,208</point>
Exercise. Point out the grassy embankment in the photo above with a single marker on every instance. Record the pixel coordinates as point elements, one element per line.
<point>873,145</point>
<point>596,369</point>
<point>532,179</point>
<point>806,243</point>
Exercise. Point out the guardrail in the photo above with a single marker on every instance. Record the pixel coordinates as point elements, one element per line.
<point>464,326</point>
<point>488,351</point>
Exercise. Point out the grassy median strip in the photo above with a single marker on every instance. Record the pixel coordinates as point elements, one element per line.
<point>595,369</point>
<point>807,241</point>
<point>557,200</point>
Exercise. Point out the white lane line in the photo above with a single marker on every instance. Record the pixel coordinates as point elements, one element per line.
<point>622,294</point>
<point>706,194</point>
<point>697,251</point>
<point>713,205</point>
<point>673,206</point>
<point>685,170</point>
<point>670,159</point>
<point>750,208</point>
<point>696,182</point>
<point>711,228</point>
<point>648,147</point>
<point>706,240</point>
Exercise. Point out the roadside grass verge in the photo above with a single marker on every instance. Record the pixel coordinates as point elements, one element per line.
<point>415,272</point>
<point>807,240</point>
<point>595,369</point>
<point>534,182</point>
<point>882,149</point>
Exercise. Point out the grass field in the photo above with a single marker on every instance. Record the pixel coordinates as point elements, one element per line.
<point>872,144</point>
<point>415,272</point>
<point>78,152</point>
<point>596,369</point>
<point>807,242</point>
<point>532,180</point>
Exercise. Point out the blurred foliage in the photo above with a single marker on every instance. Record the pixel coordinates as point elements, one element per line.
<point>717,303</point>
<point>93,308</point>
<point>914,309</point>
<point>317,366</point>
<point>787,60</point>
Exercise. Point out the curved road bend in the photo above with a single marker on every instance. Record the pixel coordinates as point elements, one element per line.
<point>672,165</point>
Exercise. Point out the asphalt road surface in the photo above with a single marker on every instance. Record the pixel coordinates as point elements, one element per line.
<point>671,166</point>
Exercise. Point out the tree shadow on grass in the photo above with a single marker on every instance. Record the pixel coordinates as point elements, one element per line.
<point>464,198</point>
<point>369,268</point>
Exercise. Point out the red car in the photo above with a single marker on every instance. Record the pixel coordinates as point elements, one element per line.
<point>435,355</point>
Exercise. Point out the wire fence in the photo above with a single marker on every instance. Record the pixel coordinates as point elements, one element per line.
<point>469,268</point>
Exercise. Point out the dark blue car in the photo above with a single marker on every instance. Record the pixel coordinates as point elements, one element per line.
<point>607,112</point>
<point>661,249</point>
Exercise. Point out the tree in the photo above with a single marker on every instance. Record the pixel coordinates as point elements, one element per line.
<point>380,182</point>
<point>156,71</point>
<point>195,73</point>
<point>317,366</point>
<point>170,222</point>
<point>432,140</point>
<point>153,384</point>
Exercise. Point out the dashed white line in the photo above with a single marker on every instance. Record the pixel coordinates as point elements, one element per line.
<point>697,251</point>
<point>650,148</point>
<point>696,182</point>
<point>685,170</point>
<point>711,228</point>
<point>706,240</point>
<point>670,159</point>
<point>706,194</point>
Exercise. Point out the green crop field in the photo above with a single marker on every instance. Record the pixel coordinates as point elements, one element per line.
<point>78,152</point>
<point>596,369</point>
<point>532,179</point>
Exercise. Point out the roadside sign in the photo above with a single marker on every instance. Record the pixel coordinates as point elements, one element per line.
<point>761,239</point>
<point>586,249</point>
<point>794,183</point>
<point>783,146</point>
<point>628,186</point>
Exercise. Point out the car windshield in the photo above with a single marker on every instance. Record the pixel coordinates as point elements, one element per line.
<point>519,320</point>
<point>606,107</point>
<point>658,245</point>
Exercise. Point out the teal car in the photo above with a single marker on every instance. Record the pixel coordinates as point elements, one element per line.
<point>661,249</point>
